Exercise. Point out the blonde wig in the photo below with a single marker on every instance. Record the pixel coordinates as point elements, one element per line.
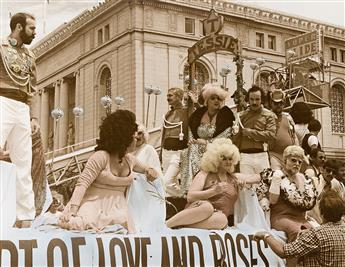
<point>142,128</point>
<point>213,89</point>
<point>294,151</point>
<point>178,92</point>
<point>215,151</point>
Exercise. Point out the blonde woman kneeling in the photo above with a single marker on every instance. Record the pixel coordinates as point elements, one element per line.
<point>214,190</point>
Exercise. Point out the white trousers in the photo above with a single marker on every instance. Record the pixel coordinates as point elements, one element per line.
<point>16,130</point>
<point>254,163</point>
<point>7,195</point>
<point>170,166</point>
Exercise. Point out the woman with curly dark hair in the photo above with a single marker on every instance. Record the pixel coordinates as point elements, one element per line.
<point>99,198</point>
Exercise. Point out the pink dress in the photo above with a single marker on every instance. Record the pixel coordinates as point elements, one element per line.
<point>291,220</point>
<point>224,202</point>
<point>100,195</point>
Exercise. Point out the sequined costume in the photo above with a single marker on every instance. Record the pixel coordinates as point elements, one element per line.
<point>221,129</point>
<point>18,105</point>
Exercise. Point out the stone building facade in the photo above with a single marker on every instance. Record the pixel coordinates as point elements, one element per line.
<point>119,47</point>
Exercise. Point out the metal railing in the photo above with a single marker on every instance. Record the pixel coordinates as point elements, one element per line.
<point>67,163</point>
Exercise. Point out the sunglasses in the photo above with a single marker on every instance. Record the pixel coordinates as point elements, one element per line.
<point>293,160</point>
<point>140,133</point>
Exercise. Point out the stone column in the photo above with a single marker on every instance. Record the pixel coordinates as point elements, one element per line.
<point>77,121</point>
<point>45,112</point>
<point>63,123</point>
<point>56,105</point>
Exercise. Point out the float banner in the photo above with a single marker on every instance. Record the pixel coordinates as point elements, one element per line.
<point>185,247</point>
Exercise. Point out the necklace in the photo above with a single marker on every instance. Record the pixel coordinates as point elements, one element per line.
<point>210,117</point>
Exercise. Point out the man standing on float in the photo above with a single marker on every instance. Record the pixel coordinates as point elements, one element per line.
<point>18,110</point>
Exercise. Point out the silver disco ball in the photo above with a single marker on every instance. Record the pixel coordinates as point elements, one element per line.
<point>57,113</point>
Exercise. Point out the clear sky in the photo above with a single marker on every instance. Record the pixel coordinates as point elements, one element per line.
<point>60,11</point>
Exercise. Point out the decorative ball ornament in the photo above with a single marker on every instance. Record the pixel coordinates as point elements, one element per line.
<point>254,66</point>
<point>78,111</point>
<point>57,113</point>
<point>157,91</point>
<point>119,100</point>
<point>291,53</point>
<point>260,61</point>
<point>148,89</point>
<point>225,71</point>
<point>106,101</point>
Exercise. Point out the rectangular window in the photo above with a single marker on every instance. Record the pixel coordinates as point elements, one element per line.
<point>100,37</point>
<point>333,54</point>
<point>106,33</point>
<point>189,26</point>
<point>342,56</point>
<point>259,40</point>
<point>272,42</point>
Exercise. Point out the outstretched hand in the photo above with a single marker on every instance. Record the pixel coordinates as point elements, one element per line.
<point>260,235</point>
<point>151,174</point>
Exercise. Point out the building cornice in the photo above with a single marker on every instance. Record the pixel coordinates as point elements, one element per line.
<point>226,8</point>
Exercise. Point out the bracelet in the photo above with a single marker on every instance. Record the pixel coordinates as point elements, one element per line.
<point>33,118</point>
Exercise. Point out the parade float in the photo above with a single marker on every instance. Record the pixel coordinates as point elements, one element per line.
<point>50,246</point>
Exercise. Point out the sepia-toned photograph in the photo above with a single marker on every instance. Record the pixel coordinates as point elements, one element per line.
<point>172,133</point>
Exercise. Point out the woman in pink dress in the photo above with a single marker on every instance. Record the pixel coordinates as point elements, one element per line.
<point>214,190</point>
<point>99,197</point>
<point>289,193</point>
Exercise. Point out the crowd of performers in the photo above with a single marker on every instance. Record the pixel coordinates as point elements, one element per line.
<point>260,168</point>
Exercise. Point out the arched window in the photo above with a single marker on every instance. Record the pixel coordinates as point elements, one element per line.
<point>105,81</point>
<point>202,76</point>
<point>104,89</point>
<point>338,108</point>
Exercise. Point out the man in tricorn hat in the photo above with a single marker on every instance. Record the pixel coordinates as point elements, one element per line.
<point>285,135</point>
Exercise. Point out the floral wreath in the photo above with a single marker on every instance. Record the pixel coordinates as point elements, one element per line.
<point>302,199</point>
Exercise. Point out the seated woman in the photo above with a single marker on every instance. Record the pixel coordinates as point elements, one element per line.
<point>213,120</point>
<point>99,198</point>
<point>288,193</point>
<point>143,194</point>
<point>213,192</point>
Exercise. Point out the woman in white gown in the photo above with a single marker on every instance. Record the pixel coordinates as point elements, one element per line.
<point>142,193</point>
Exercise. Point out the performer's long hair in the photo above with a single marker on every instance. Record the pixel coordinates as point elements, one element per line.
<point>117,132</point>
